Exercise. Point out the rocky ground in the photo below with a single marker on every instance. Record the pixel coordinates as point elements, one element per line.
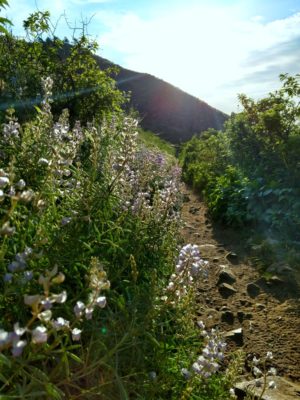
<point>255,314</point>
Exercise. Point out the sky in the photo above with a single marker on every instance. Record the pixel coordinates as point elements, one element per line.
<point>212,49</point>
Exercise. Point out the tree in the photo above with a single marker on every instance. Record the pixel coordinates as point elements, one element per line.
<point>79,84</point>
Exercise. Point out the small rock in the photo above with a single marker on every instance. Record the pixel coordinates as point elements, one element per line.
<point>232,257</point>
<point>228,317</point>
<point>224,308</point>
<point>241,316</point>
<point>226,290</point>
<point>245,303</point>
<point>207,246</point>
<point>226,276</point>
<point>260,306</point>
<point>275,280</point>
<point>253,290</point>
<point>236,335</point>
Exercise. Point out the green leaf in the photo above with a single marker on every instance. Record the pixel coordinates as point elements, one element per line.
<point>54,392</point>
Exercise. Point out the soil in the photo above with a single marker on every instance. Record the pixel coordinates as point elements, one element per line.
<point>266,310</point>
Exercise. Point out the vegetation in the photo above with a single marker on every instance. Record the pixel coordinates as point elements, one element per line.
<point>93,303</point>
<point>78,83</point>
<point>249,174</point>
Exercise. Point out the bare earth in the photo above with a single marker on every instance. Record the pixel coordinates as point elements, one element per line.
<point>267,311</point>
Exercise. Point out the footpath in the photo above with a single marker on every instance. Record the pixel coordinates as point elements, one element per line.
<point>254,314</point>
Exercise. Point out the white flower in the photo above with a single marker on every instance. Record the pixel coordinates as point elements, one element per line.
<point>255,360</point>
<point>60,323</point>
<point>76,334</point>
<point>45,315</point>
<point>59,298</point>
<point>4,337</point>
<point>89,312</point>
<point>39,334</point>
<point>21,184</point>
<point>43,161</point>
<point>79,308</point>
<point>272,371</point>
<point>272,385</point>
<point>27,195</point>
<point>4,181</point>
<point>257,371</point>
<point>269,355</point>
<point>101,301</point>
<point>18,347</point>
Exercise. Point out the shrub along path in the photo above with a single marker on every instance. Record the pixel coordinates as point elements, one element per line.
<point>255,314</point>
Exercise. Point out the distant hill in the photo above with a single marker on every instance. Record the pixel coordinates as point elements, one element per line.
<point>164,109</point>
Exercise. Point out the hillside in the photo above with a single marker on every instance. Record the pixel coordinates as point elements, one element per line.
<point>164,109</point>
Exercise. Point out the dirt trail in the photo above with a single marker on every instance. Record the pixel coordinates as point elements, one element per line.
<point>234,296</point>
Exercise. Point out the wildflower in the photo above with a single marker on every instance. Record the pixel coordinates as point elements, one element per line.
<point>45,315</point>
<point>60,323</point>
<point>1,195</point>
<point>66,220</point>
<point>39,334</point>
<point>8,277</point>
<point>11,129</point>
<point>4,181</point>
<point>28,276</point>
<point>269,355</point>
<point>17,348</point>
<point>4,338</point>
<point>257,371</point>
<point>76,333</point>
<point>152,375</point>
<point>272,385</point>
<point>21,184</point>
<point>59,298</point>
<point>255,360</point>
<point>27,195</point>
<point>79,308</point>
<point>272,371</point>
<point>101,301</point>
<point>7,230</point>
<point>89,312</point>
<point>186,373</point>
<point>43,161</point>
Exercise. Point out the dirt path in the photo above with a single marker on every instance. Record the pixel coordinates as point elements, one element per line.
<point>234,297</point>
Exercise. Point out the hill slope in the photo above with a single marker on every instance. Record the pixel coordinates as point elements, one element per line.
<point>164,109</point>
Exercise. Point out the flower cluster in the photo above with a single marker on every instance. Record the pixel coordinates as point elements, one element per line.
<point>19,265</point>
<point>97,282</point>
<point>208,363</point>
<point>189,266</point>
<point>261,371</point>
<point>42,305</point>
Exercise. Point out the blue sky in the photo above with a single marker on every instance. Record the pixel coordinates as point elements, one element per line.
<point>213,49</point>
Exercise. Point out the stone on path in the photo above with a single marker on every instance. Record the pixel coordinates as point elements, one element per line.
<point>226,276</point>
<point>236,336</point>
<point>226,290</point>
<point>253,290</point>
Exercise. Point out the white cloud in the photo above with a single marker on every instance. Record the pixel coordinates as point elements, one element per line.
<point>203,49</point>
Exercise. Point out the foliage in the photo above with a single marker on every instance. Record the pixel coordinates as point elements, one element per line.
<point>249,174</point>
<point>89,238</point>
<point>4,21</point>
<point>79,84</point>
